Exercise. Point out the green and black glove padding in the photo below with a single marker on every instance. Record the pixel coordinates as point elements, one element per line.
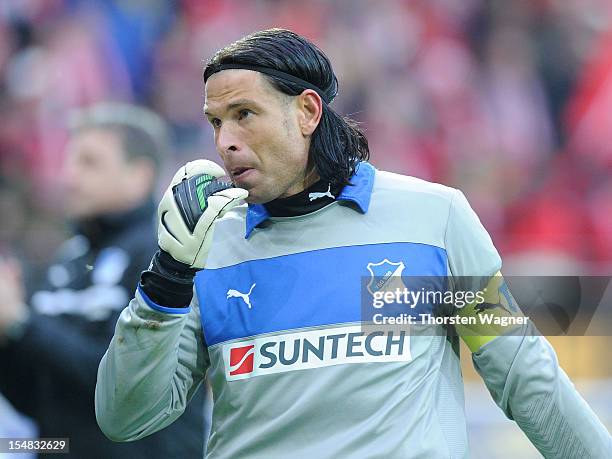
<point>187,213</point>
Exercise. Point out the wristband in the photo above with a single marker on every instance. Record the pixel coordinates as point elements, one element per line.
<point>168,282</point>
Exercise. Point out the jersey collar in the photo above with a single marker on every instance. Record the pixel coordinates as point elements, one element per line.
<point>360,194</point>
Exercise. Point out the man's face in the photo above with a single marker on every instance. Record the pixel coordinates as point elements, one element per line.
<point>257,134</point>
<point>96,174</point>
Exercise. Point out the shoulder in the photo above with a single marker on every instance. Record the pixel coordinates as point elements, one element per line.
<point>406,185</point>
<point>396,194</point>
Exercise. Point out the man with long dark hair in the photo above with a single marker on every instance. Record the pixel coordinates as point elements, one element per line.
<point>269,306</point>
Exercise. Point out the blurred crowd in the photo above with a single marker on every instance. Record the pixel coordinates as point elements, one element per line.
<point>508,101</point>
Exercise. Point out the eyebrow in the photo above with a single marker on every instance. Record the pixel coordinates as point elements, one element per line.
<point>233,105</point>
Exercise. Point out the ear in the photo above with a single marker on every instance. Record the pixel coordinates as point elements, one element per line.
<point>310,107</point>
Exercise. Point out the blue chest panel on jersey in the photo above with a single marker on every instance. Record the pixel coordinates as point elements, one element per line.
<point>307,289</point>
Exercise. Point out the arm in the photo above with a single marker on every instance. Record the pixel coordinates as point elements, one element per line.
<point>13,317</point>
<point>67,347</point>
<point>520,369</point>
<point>50,345</point>
<point>32,345</point>
<point>154,364</point>
<point>524,378</point>
<point>157,358</point>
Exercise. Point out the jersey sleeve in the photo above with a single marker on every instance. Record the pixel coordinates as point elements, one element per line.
<point>524,378</point>
<point>519,368</point>
<point>155,362</point>
<point>469,247</point>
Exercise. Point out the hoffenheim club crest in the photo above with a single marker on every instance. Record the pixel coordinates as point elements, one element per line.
<point>383,273</point>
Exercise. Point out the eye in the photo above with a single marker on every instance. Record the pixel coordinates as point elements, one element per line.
<point>215,122</point>
<point>244,113</point>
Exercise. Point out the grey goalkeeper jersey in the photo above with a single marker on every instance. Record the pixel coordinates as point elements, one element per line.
<point>275,326</point>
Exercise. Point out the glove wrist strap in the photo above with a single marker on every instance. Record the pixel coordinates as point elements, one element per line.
<point>168,282</point>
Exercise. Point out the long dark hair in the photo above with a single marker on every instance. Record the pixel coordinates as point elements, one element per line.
<point>337,144</point>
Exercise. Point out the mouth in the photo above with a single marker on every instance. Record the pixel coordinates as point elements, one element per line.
<point>239,173</point>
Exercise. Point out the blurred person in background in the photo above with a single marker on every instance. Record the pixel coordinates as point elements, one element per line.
<point>50,349</point>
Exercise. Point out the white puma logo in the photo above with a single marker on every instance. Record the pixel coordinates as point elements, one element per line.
<point>317,195</point>
<point>231,293</point>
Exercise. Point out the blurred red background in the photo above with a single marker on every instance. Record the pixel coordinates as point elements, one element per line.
<point>508,101</point>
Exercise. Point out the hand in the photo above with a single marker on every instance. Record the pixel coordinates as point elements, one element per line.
<point>174,235</point>
<point>12,306</point>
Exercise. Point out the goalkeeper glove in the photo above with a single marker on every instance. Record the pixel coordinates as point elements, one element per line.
<point>191,205</point>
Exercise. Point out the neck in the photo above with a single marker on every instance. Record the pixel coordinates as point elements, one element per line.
<point>310,177</point>
<point>316,196</point>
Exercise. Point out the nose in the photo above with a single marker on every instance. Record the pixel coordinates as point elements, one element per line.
<point>226,140</point>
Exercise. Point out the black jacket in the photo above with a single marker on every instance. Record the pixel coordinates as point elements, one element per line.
<point>50,372</point>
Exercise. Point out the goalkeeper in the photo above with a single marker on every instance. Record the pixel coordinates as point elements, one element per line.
<point>268,305</point>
